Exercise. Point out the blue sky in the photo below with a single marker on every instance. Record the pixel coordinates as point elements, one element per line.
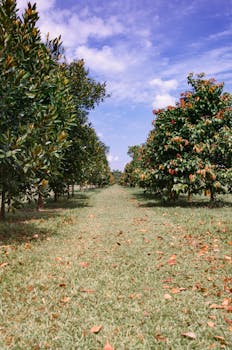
<point>143,50</point>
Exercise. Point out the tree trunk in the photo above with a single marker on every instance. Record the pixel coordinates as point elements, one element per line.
<point>212,198</point>
<point>40,202</point>
<point>72,190</point>
<point>3,208</point>
<point>190,197</point>
<point>55,196</point>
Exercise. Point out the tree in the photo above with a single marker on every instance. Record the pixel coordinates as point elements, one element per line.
<point>116,175</point>
<point>130,174</point>
<point>86,94</point>
<point>189,148</point>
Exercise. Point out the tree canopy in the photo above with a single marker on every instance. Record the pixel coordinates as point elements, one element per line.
<point>44,105</point>
<point>189,148</point>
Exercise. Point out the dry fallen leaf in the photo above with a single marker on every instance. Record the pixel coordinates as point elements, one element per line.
<point>172,260</point>
<point>190,335</point>
<point>58,258</point>
<point>211,324</point>
<point>65,300</point>
<point>136,296</point>
<point>228,321</point>
<point>167,296</point>
<point>108,347</point>
<point>219,338</point>
<point>4,264</point>
<point>159,337</point>
<point>215,306</point>
<point>89,291</point>
<point>95,329</point>
<point>62,285</point>
<point>226,302</point>
<point>84,264</point>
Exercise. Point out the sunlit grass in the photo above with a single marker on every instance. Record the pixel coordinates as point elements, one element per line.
<point>146,273</point>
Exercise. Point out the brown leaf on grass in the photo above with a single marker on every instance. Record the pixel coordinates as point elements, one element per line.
<point>189,335</point>
<point>89,291</point>
<point>95,329</point>
<point>225,305</point>
<point>108,347</point>
<point>172,260</point>
<point>167,296</point>
<point>159,252</point>
<point>167,280</point>
<point>62,285</point>
<point>226,302</point>
<point>136,296</point>
<point>228,321</point>
<point>216,306</point>
<point>203,250</point>
<point>177,290</point>
<point>84,264</point>
<point>28,246</point>
<point>219,338</point>
<point>228,258</point>
<point>30,288</point>
<point>4,264</point>
<point>65,300</point>
<point>211,324</point>
<point>58,258</point>
<point>160,338</point>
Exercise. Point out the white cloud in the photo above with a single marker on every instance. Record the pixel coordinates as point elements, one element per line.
<point>162,101</point>
<point>220,35</point>
<point>75,29</point>
<point>164,85</point>
<point>214,62</point>
<point>104,60</point>
<point>42,5</point>
<point>112,158</point>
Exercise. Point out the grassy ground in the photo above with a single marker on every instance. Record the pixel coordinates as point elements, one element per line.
<point>146,276</point>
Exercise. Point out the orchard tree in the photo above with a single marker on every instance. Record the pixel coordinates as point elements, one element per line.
<point>189,148</point>
<point>35,105</point>
<point>86,94</point>
<point>130,175</point>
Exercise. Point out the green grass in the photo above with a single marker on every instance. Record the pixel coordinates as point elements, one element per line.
<point>115,257</point>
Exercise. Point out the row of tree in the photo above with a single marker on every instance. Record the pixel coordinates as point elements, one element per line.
<point>189,149</point>
<point>46,140</point>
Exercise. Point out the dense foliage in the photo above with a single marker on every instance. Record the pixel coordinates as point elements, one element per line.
<point>45,136</point>
<point>189,148</point>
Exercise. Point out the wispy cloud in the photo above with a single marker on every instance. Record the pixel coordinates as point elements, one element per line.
<point>104,60</point>
<point>112,158</point>
<point>42,5</point>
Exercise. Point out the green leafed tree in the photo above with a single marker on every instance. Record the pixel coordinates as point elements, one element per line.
<point>35,103</point>
<point>86,94</point>
<point>189,148</point>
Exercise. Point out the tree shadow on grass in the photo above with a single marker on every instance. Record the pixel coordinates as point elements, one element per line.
<point>28,225</point>
<point>151,200</point>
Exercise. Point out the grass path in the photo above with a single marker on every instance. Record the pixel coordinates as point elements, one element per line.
<point>148,276</point>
